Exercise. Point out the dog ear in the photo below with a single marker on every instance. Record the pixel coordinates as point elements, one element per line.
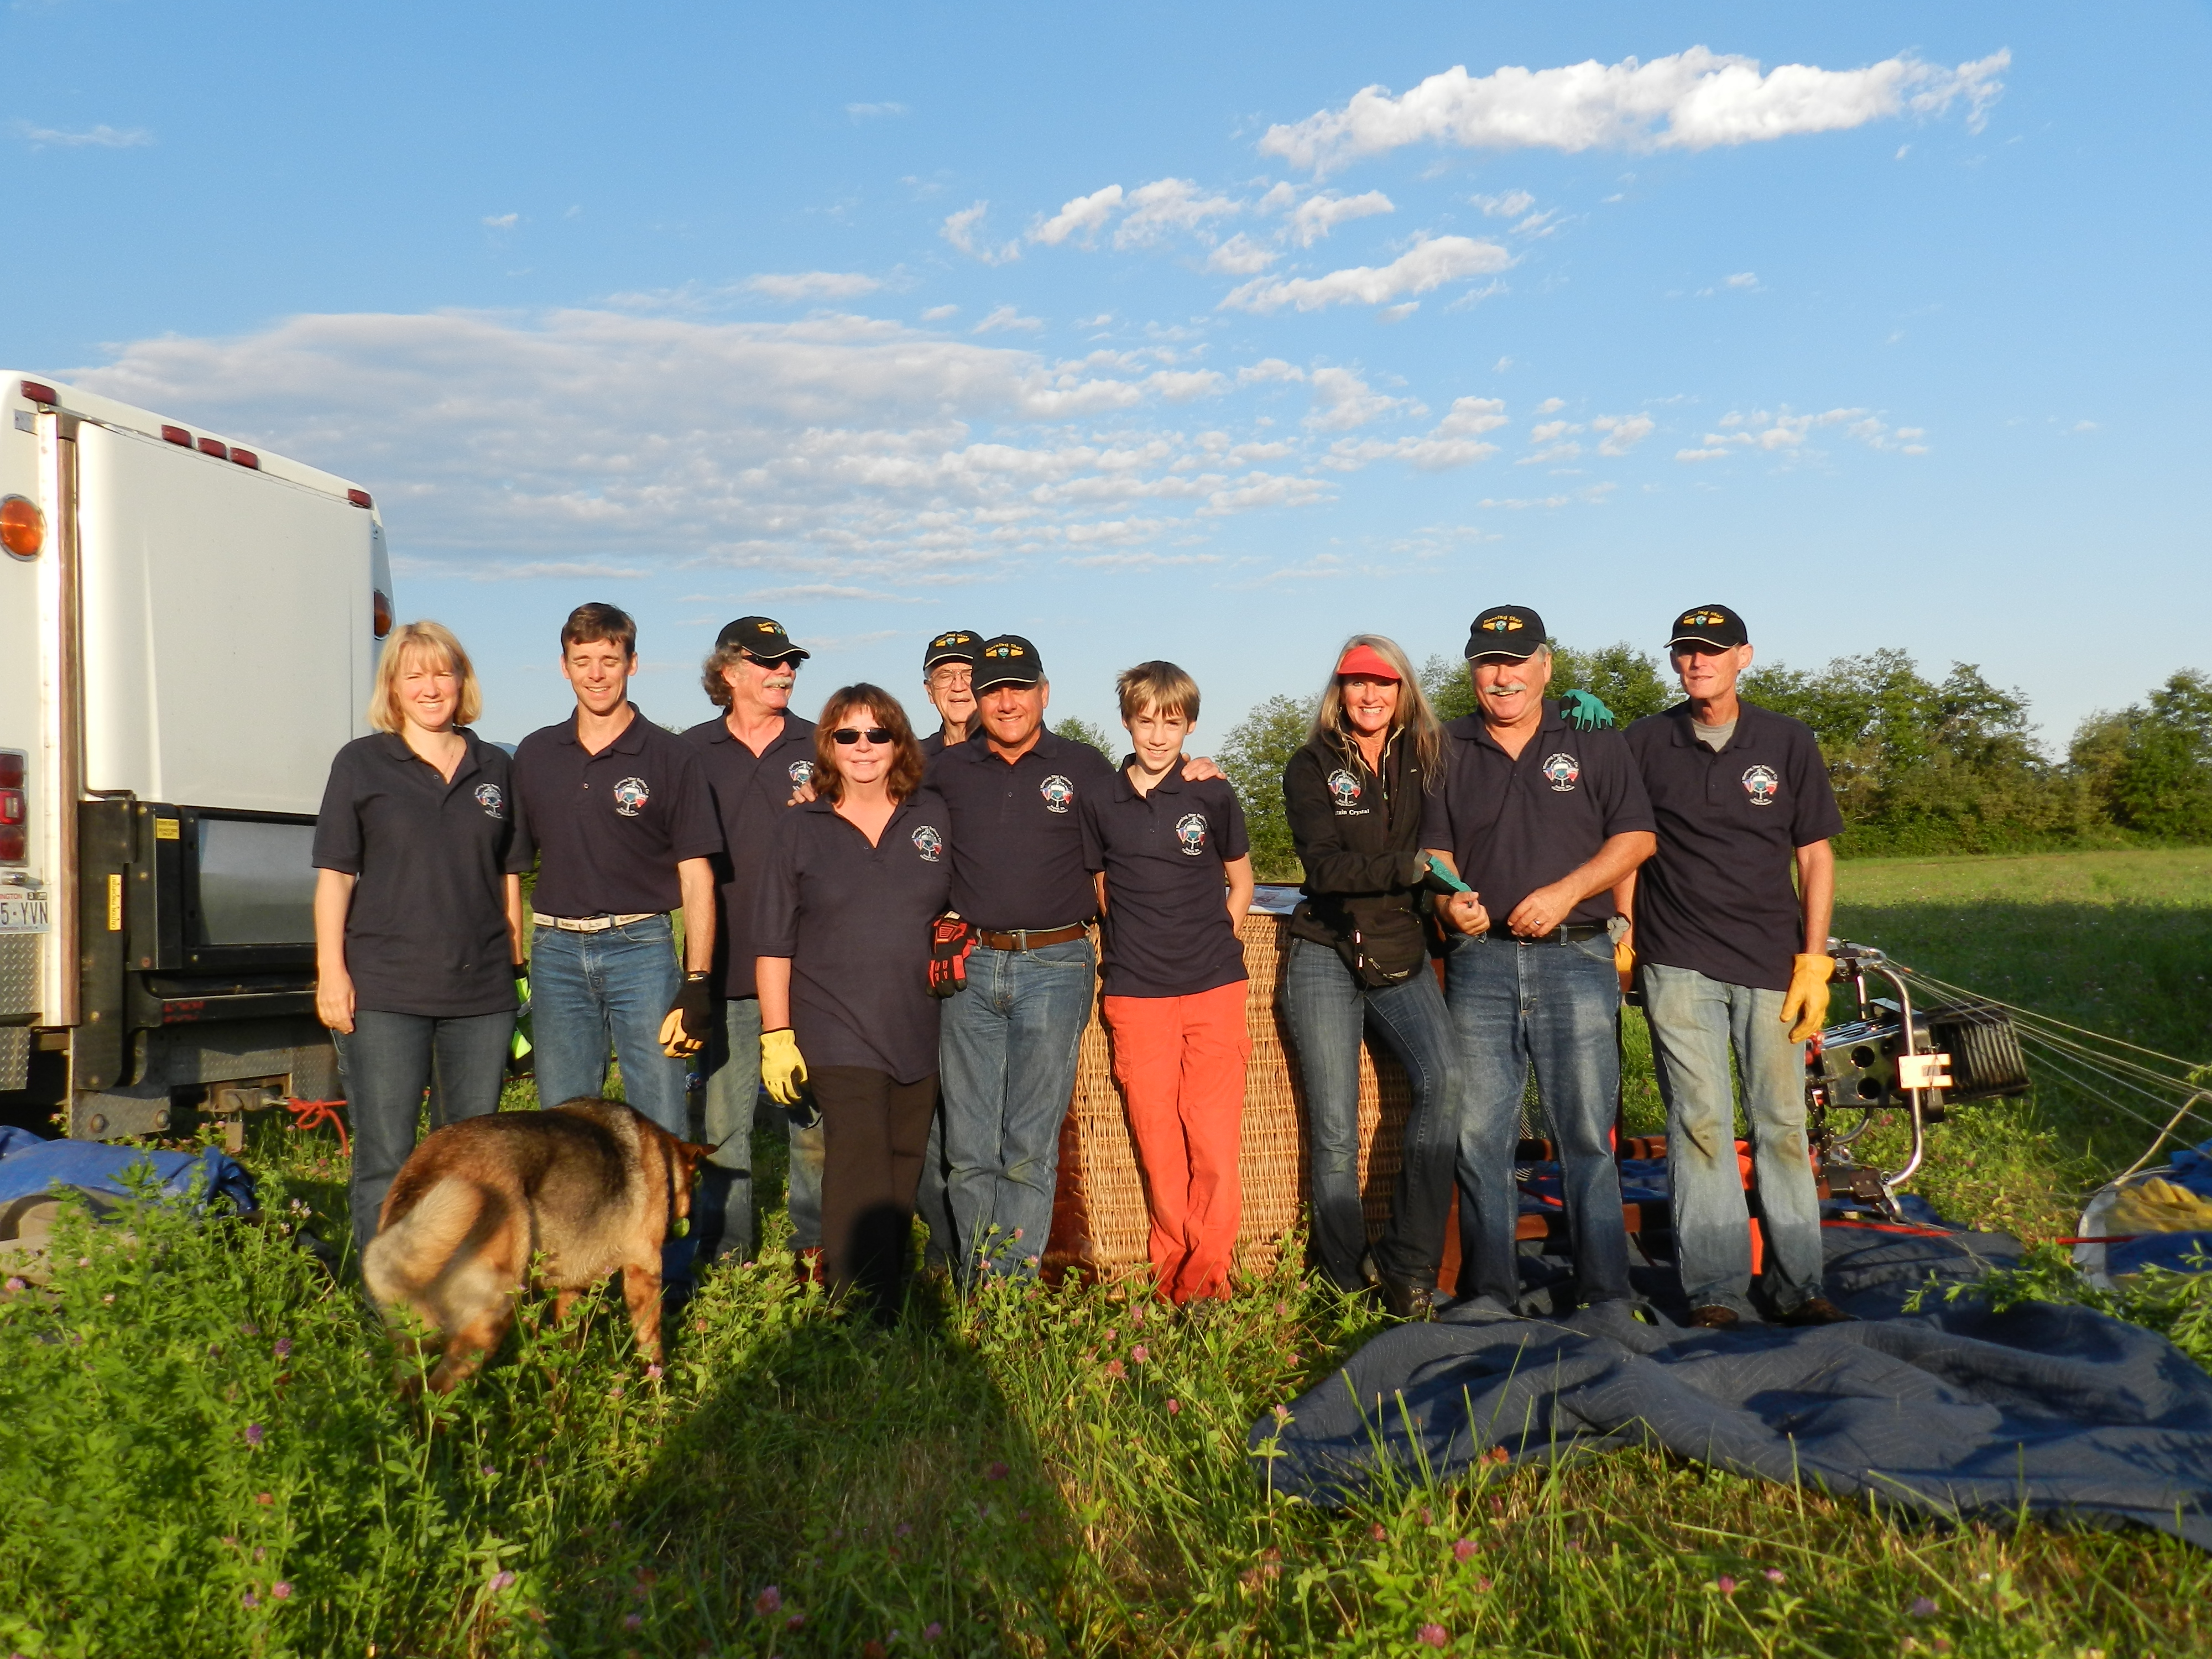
<point>695,1154</point>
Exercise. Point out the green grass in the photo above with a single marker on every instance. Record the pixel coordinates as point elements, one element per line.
<point>1009,1477</point>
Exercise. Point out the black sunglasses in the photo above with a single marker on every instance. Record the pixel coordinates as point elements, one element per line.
<point>788,665</point>
<point>851,734</point>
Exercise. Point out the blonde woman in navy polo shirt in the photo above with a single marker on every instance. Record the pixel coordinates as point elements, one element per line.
<point>418,908</point>
<point>853,882</point>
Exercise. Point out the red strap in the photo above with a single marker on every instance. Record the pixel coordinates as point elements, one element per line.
<point>314,1114</point>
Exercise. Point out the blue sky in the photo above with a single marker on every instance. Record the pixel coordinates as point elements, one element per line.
<point>1210,333</point>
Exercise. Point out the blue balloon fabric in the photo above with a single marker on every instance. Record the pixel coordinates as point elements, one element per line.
<point>30,1165</point>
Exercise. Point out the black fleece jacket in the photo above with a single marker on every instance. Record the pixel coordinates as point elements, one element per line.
<point>1358,834</point>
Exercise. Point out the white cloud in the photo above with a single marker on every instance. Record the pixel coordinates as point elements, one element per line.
<point>836,453</point>
<point>1342,400</point>
<point>1086,215</point>
<point>1269,368</point>
<point>1317,215</point>
<point>1167,205</point>
<point>502,220</point>
<point>801,592</point>
<point>1763,432</point>
<point>812,285</point>
<point>873,112</point>
<point>1550,405</point>
<point>962,230</point>
<point>1007,317</point>
<point>1511,206</point>
<point>1691,99</point>
<point>938,313</point>
<point>1622,431</point>
<point>1425,265</point>
<point>1744,279</point>
<point>103,136</point>
<point>1456,441</point>
<point>1240,256</point>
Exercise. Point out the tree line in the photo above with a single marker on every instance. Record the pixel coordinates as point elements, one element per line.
<point>1920,766</point>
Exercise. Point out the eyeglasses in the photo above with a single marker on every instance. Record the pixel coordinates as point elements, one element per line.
<point>853,734</point>
<point>963,674</point>
<point>773,664</point>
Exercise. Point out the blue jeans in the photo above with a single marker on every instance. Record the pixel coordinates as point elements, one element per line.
<point>591,992</point>
<point>1327,1009</point>
<point>387,1060</point>
<point>1556,1006</point>
<point>932,1199</point>
<point>1695,1021</point>
<point>726,1183</point>
<point>1008,1051</point>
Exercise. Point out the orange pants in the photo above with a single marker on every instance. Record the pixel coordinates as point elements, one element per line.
<point>1180,1061</point>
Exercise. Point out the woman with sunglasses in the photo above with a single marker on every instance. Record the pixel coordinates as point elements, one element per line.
<point>853,882</point>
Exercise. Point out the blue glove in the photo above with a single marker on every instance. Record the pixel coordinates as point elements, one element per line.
<point>1582,711</point>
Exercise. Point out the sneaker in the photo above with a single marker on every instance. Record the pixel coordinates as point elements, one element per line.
<point>1817,1311</point>
<point>1715,1318</point>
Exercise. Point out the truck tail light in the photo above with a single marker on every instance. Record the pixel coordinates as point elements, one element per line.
<point>380,613</point>
<point>215,447</point>
<point>176,435</point>
<point>39,393</point>
<point>359,498</point>
<point>22,526</point>
<point>246,458</point>
<point>14,807</point>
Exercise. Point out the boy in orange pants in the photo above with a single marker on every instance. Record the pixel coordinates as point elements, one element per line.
<point>1174,881</point>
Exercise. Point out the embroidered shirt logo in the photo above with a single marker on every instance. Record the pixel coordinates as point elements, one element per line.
<point>1563,770</point>
<point>1190,831</point>
<point>1761,784</point>
<point>630,797</point>
<point>801,771</point>
<point>929,844</point>
<point>493,802</point>
<point>1058,793</point>
<point>1344,787</point>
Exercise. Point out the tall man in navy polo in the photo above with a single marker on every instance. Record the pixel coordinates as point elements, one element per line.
<point>756,754</point>
<point>1731,955</point>
<point>624,829</point>
<point>948,677</point>
<point>1541,820</point>
<point>1019,878</point>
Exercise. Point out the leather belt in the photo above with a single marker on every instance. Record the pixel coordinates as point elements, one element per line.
<point>1029,938</point>
<point>1573,933</point>
<point>590,924</point>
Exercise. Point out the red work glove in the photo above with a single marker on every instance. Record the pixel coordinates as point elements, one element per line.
<point>951,940</point>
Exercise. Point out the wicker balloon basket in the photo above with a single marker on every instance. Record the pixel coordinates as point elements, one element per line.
<point>1099,1221</point>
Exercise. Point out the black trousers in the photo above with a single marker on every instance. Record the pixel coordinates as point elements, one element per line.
<point>874,1131</point>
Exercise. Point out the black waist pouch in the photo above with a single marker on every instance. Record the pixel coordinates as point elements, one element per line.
<point>1384,944</point>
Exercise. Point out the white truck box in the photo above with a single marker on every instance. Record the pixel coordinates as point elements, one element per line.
<point>192,640</point>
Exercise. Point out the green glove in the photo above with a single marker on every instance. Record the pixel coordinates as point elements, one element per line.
<point>1441,880</point>
<point>1582,711</point>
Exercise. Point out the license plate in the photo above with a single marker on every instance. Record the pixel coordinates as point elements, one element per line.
<point>23,912</point>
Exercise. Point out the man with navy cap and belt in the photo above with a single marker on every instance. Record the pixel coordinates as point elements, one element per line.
<point>756,754</point>
<point>1540,819</point>
<point>948,676</point>
<point>1732,957</point>
<point>1019,882</point>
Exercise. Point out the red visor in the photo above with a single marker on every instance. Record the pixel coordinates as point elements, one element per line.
<point>1366,663</point>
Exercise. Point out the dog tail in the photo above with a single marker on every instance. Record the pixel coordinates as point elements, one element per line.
<point>405,1259</point>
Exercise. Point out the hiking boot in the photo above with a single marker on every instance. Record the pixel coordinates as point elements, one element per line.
<point>1715,1318</point>
<point>1410,1302</point>
<point>1817,1311</point>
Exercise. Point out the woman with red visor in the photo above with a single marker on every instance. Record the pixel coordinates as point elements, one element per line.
<point>1358,960</point>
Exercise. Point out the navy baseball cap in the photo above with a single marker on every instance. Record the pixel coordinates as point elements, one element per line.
<point>1007,660</point>
<point>954,644</point>
<point>761,638</point>
<point>1512,631</point>
<point>1708,624</point>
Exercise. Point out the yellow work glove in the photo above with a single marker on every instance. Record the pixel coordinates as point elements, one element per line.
<point>1624,961</point>
<point>1808,1001</point>
<point>2155,1205</point>
<point>782,1069</point>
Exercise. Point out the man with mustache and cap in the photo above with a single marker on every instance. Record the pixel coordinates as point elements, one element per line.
<point>757,754</point>
<point>1541,819</point>
<point>948,675</point>
<point>1730,955</point>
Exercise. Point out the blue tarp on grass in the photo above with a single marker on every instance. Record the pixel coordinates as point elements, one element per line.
<point>29,1166</point>
<point>1954,1411</point>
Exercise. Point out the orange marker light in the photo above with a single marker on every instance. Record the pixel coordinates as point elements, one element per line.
<point>382,610</point>
<point>22,526</point>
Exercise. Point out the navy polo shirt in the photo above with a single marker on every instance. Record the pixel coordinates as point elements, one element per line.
<point>1018,833</point>
<point>750,793</point>
<point>854,920</point>
<point>1166,931</point>
<point>610,829</point>
<point>426,931</point>
<point>1718,895</point>
<point>1513,825</point>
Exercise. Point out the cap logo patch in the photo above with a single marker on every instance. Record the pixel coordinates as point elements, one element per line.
<point>1703,619</point>
<point>801,771</point>
<point>765,628</point>
<point>1500,624</point>
<point>630,797</point>
<point>929,844</point>
<point>493,802</point>
<point>1190,830</point>
<point>1761,784</point>
<point>1563,770</point>
<point>1003,651</point>
<point>1058,793</point>
<point>1344,787</point>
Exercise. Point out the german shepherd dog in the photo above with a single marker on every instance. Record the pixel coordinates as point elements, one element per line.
<point>579,1191</point>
